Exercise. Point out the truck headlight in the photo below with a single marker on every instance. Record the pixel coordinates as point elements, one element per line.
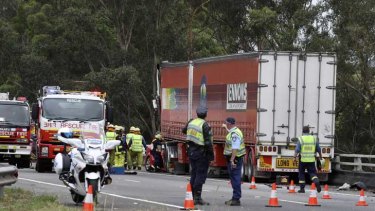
<point>44,151</point>
<point>21,140</point>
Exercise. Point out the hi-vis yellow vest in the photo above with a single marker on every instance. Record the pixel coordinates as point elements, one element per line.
<point>110,136</point>
<point>228,144</point>
<point>195,131</point>
<point>128,137</point>
<point>308,149</point>
<point>136,143</point>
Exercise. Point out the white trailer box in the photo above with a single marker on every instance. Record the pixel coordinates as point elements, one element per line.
<point>295,90</point>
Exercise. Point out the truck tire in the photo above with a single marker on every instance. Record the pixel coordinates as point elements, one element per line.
<point>166,159</point>
<point>248,169</point>
<point>23,162</point>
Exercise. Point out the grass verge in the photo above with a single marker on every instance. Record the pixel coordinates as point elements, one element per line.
<point>16,199</point>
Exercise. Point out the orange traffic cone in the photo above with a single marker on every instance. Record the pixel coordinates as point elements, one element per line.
<point>88,203</point>
<point>252,184</point>
<point>362,201</point>
<point>273,202</point>
<point>292,188</point>
<point>189,202</point>
<point>325,193</point>
<point>313,200</point>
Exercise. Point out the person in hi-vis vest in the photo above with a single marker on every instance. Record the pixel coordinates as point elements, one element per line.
<point>136,145</point>
<point>111,135</point>
<point>125,142</point>
<point>306,149</point>
<point>234,151</point>
<point>199,140</point>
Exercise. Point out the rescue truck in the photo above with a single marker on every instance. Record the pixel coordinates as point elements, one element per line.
<point>272,95</point>
<point>57,109</point>
<point>15,131</point>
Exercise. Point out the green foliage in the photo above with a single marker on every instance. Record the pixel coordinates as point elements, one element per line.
<point>115,46</point>
<point>21,200</point>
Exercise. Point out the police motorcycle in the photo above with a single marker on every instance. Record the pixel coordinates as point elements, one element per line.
<point>86,163</point>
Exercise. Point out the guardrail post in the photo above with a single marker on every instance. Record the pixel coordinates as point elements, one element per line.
<point>337,160</point>
<point>358,161</point>
<point>1,191</point>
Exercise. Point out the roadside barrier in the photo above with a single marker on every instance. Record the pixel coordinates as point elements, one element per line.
<point>88,203</point>
<point>252,184</point>
<point>273,201</point>
<point>313,200</point>
<point>8,176</point>
<point>362,201</point>
<point>292,187</point>
<point>325,193</point>
<point>189,202</point>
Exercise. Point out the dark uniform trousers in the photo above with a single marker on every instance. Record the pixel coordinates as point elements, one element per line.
<point>235,176</point>
<point>311,170</point>
<point>199,166</point>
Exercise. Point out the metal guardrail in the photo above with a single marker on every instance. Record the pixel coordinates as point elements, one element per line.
<point>8,176</point>
<point>357,161</point>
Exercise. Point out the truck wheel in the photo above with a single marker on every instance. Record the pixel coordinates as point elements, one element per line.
<point>23,162</point>
<point>248,169</point>
<point>166,159</point>
<point>38,167</point>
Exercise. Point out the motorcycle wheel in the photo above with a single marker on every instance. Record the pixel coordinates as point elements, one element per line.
<point>76,197</point>
<point>94,183</point>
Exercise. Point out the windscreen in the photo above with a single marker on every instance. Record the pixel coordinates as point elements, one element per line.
<point>13,114</point>
<point>73,109</point>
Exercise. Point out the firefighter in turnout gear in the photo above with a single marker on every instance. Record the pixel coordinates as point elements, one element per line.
<point>119,154</point>
<point>200,152</point>
<point>156,152</point>
<point>125,142</point>
<point>307,147</point>
<point>111,135</point>
<point>234,151</point>
<point>135,146</point>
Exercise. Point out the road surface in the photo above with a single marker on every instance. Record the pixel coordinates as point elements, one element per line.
<point>154,191</point>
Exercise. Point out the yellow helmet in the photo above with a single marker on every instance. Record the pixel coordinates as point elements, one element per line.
<point>137,129</point>
<point>132,129</point>
<point>111,126</point>
<point>158,136</point>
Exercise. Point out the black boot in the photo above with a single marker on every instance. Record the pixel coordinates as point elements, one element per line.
<point>301,189</point>
<point>317,184</point>
<point>198,199</point>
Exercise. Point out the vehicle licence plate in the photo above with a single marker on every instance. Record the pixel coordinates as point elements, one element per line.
<point>288,163</point>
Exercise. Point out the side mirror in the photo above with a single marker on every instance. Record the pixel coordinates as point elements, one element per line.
<point>109,113</point>
<point>35,111</point>
<point>111,144</point>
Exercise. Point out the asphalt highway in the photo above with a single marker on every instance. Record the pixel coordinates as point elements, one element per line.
<point>158,191</point>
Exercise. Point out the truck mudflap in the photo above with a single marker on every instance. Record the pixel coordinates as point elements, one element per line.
<point>286,164</point>
<point>7,149</point>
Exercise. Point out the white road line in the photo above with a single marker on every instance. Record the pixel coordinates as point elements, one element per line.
<point>295,202</point>
<point>142,200</point>
<point>129,180</point>
<point>40,182</point>
<point>109,194</point>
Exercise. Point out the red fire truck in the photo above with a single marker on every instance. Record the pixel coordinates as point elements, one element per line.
<point>58,109</point>
<point>272,95</point>
<point>15,131</point>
